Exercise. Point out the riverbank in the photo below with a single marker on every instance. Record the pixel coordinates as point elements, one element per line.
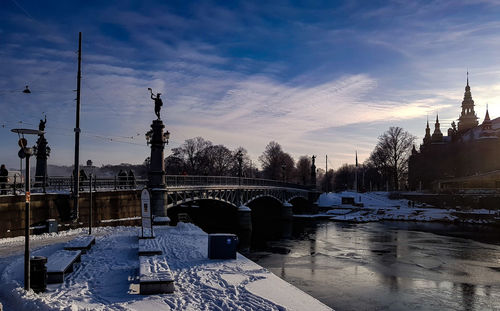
<point>377,206</point>
<point>107,277</point>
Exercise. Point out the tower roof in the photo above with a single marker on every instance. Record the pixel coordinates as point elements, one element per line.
<point>437,136</point>
<point>468,118</point>
<point>487,116</point>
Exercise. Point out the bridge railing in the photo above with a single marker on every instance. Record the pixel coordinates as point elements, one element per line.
<point>186,180</point>
<point>66,184</point>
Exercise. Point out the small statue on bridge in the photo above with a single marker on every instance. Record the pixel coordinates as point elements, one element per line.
<point>41,126</point>
<point>158,102</point>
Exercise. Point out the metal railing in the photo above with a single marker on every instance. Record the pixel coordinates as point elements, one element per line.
<point>65,184</point>
<point>186,180</point>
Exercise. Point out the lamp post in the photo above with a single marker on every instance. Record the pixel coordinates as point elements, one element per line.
<point>25,152</point>
<point>90,203</point>
<point>239,158</point>
<point>283,167</point>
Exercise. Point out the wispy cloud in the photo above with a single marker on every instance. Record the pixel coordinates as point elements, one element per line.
<point>318,78</point>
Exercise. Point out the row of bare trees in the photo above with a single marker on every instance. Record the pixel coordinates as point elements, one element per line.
<point>385,169</point>
<point>197,156</point>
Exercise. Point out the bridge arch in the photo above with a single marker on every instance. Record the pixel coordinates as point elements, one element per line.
<point>260,196</point>
<point>198,199</point>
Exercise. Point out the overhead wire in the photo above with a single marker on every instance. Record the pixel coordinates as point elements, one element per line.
<point>109,138</point>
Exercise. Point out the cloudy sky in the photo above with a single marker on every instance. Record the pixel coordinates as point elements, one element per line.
<point>319,77</point>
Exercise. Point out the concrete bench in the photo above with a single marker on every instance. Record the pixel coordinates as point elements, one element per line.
<point>83,243</point>
<point>155,276</point>
<point>149,247</point>
<point>61,263</point>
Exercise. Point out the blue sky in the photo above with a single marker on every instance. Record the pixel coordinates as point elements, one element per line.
<point>319,77</point>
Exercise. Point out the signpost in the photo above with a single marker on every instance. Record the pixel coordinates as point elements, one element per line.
<point>146,213</point>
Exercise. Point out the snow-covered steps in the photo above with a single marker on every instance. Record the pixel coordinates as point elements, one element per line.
<point>149,247</point>
<point>61,263</point>
<point>83,243</point>
<point>155,276</point>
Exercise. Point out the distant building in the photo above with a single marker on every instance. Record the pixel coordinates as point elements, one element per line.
<point>469,149</point>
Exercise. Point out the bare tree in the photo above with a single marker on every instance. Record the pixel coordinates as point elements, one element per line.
<point>327,181</point>
<point>191,152</point>
<point>344,177</point>
<point>247,167</point>
<point>391,154</point>
<point>217,160</point>
<point>304,170</point>
<point>276,164</point>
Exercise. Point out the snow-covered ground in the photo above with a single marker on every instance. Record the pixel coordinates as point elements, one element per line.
<point>375,206</point>
<point>107,277</point>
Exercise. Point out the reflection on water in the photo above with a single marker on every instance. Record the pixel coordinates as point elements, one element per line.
<point>386,266</point>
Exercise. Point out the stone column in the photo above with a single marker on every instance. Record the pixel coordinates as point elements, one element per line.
<point>313,173</point>
<point>287,211</point>
<point>286,220</point>
<point>244,227</point>
<point>156,172</point>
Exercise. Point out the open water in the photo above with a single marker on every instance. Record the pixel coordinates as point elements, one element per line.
<point>385,266</point>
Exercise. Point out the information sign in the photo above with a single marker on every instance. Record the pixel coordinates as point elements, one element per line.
<point>147,228</point>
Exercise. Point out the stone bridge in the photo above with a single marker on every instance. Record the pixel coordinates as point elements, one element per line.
<point>231,190</point>
<point>117,200</point>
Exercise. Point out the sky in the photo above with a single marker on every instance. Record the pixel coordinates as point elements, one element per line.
<point>318,77</point>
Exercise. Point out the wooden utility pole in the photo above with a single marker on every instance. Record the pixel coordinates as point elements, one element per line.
<point>77,132</point>
<point>356,174</point>
<point>326,176</point>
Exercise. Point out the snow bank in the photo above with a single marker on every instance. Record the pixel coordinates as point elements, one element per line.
<point>107,277</point>
<point>377,206</point>
<point>329,199</point>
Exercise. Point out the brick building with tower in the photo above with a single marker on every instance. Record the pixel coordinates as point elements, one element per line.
<point>451,162</point>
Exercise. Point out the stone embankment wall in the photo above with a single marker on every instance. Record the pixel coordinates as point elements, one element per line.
<point>455,201</point>
<point>111,205</point>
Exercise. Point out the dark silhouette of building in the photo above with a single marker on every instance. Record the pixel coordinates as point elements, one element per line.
<point>468,150</point>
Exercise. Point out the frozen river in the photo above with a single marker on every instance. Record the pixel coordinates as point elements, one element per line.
<point>388,266</point>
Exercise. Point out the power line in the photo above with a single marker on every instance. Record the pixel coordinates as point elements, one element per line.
<point>23,9</point>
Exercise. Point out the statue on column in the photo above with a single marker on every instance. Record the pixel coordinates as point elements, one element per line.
<point>158,102</point>
<point>41,126</point>
<point>313,172</point>
<point>157,139</point>
<point>42,152</point>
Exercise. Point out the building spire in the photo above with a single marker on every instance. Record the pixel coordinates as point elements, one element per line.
<point>486,127</point>
<point>487,117</point>
<point>427,137</point>
<point>437,136</point>
<point>468,118</point>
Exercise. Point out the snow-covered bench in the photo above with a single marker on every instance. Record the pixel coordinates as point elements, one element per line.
<point>149,247</point>
<point>155,276</point>
<point>60,263</point>
<point>82,243</point>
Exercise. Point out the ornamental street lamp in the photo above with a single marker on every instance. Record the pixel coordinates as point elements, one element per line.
<point>239,158</point>
<point>166,135</point>
<point>26,152</point>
